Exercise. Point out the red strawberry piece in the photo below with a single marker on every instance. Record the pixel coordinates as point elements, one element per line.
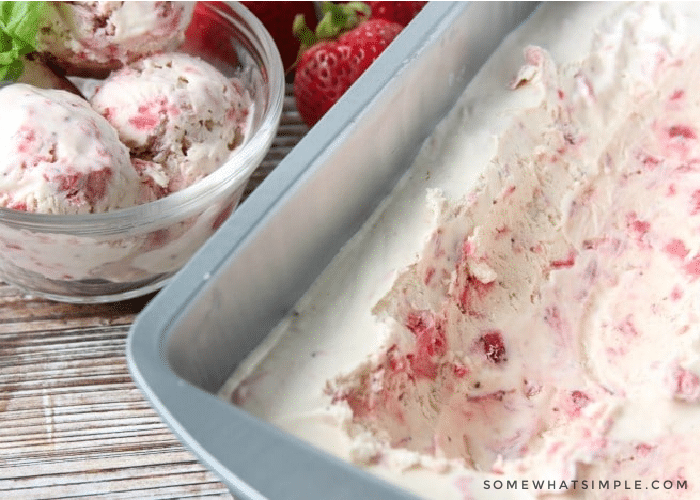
<point>493,347</point>
<point>83,189</point>
<point>205,35</point>
<point>580,399</point>
<point>396,12</point>
<point>349,43</point>
<point>278,18</point>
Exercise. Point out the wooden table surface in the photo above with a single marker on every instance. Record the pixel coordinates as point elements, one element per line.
<point>72,422</point>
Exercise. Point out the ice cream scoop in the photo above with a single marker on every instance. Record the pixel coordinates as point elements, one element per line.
<point>176,110</point>
<point>60,156</point>
<point>94,37</point>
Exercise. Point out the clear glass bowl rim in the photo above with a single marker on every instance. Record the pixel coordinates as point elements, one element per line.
<point>195,198</point>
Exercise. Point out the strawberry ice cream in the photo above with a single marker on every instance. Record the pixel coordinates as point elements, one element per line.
<point>178,111</point>
<point>62,157</point>
<point>84,37</point>
<point>523,307</point>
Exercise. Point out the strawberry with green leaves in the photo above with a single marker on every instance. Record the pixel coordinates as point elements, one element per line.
<point>347,40</point>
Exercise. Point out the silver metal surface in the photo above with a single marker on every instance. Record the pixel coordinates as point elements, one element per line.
<point>188,341</point>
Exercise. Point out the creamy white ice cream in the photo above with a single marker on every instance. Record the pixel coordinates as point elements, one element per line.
<point>178,111</point>
<point>60,156</point>
<point>538,323</point>
<point>99,35</point>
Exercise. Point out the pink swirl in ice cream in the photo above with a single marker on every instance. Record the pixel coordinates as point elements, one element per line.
<point>549,305</point>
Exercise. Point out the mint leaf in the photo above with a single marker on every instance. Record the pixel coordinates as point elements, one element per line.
<point>19,24</point>
<point>21,20</point>
<point>11,71</point>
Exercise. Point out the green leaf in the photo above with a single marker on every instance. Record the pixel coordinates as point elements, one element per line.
<point>11,71</point>
<point>21,20</point>
<point>19,25</point>
<point>339,18</point>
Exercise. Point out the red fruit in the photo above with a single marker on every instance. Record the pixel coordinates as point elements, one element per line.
<point>580,399</point>
<point>396,12</point>
<point>204,33</point>
<point>493,346</point>
<point>326,69</point>
<point>278,18</point>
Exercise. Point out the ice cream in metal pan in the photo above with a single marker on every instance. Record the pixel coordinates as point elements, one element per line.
<point>522,307</point>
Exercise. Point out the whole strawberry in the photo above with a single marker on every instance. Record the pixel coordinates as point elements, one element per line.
<point>346,42</point>
<point>398,12</point>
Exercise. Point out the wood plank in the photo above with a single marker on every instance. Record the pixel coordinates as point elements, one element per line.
<point>73,425</point>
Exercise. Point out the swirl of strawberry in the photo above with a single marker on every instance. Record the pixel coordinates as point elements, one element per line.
<point>346,41</point>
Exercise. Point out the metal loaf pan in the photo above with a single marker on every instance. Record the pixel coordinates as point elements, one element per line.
<point>222,304</point>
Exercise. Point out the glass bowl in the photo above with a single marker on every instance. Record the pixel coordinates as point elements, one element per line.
<point>133,251</point>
